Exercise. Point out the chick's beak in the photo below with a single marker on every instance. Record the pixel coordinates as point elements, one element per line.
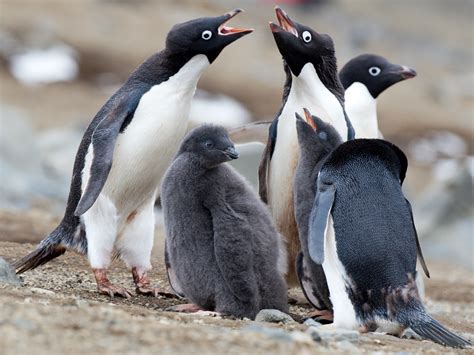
<point>231,153</point>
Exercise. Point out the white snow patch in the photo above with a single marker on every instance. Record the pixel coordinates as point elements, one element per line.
<point>45,66</point>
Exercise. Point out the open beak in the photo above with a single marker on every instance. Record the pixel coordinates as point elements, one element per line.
<point>286,24</point>
<point>231,153</point>
<point>224,30</point>
<point>407,73</point>
<point>309,119</point>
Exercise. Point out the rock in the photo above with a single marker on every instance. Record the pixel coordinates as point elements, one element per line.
<point>42,291</point>
<point>273,316</point>
<point>310,322</point>
<point>7,274</point>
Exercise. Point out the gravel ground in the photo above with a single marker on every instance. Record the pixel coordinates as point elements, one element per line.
<point>58,310</point>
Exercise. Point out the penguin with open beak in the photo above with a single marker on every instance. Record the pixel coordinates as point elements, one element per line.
<point>125,152</point>
<point>310,64</point>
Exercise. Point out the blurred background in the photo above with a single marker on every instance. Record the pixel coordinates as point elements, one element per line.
<point>61,60</point>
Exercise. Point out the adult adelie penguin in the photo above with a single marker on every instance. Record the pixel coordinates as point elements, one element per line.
<point>125,152</point>
<point>223,250</point>
<point>364,78</point>
<point>361,230</point>
<point>312,82</point>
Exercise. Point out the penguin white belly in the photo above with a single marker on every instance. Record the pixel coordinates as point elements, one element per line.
<point>150,141</point>
<point>337,278</point>
<point>361,108</point>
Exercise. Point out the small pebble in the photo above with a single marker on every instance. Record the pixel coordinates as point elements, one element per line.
<point>273,316</point>
<point>42,291</point>
<point>8,275</point>
<point>310,322</point>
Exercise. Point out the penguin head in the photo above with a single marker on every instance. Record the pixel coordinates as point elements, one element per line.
<point>206,35</point>
<point>312,131</point>
<point>375,72</point>
<point>300,44</point>
<point>210,145</point>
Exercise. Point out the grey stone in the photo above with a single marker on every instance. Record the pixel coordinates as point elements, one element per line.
<point>273,316</point>
<point>310,322</point>
<point>7,274</point>
<point>336,334</point>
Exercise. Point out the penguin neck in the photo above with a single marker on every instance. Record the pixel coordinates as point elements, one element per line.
<point>361,108</point>
<point>307,90</point>
<point>164,65</point>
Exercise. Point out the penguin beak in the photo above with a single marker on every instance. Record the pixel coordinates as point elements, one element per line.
<point>224,30</point>
<point>309,119</point>
<point>406,72</point>
<point>231,153</point>
<point>286,24</point>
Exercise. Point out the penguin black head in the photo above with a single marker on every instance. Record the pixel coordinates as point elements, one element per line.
<point>375,72</point>
<point>210,144</point>
<point>206,35</point>
<point>300,44</point>
<point>313,130</point>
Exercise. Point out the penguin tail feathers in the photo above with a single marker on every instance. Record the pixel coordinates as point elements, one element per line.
<point>54,245</point>
<point>429,328</point>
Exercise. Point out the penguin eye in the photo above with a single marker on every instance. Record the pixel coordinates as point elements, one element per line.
<point>206,35</point>
<point>209,144</point>
<point>374,71</point>
<point>307,36</point>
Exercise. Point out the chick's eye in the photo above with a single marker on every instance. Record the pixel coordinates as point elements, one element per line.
<point>209,144</point>
<point>374,71</point>
<point>307,36</point>
<point>206,35</point>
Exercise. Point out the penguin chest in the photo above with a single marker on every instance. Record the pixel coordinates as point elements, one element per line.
<point>145,149</point>
<point>361,108</point>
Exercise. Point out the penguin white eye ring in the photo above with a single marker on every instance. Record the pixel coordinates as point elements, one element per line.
<point>374,71</point>
<point>307,36</point>
<point>206,35</point>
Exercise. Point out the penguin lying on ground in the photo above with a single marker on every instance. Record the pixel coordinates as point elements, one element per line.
<point>361,231</point>
<point>223,250</point>
<point>316,140</point>
<point>364,78</point>
<point>125,152</point>
<point>312,82</point>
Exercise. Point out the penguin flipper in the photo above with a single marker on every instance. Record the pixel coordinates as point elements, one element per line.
<point>121,107</point>
<point>418,245</point>
<point>318,221</point>
<point>256,132</point>
<point>264,167</point>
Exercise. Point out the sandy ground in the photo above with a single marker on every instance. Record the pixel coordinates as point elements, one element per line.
<point>59,311</point>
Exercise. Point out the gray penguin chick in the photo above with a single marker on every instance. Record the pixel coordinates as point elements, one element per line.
<point>316,140</point>
<point>222,248</point>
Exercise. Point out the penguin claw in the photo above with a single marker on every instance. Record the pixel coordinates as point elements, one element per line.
<point>111,290</point>
<point>155,292</point>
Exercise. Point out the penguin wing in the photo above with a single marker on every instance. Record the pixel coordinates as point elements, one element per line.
<point>418,245</point>
<point>264,167</point>
<point>318,221</point>
<point>256,132</point>
<point>120,108</point>
<point>233,252</point>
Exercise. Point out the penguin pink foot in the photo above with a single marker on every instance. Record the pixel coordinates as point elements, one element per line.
<point>192,308</point>
<point>324,315</point>
<point>105,287</point>
<point>143,287</point>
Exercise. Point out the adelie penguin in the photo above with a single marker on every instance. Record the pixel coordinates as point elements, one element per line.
<point>364,78</point>
<point>125,152</point>
<point>316,140</point>
<point>361,231</point>
<point>312,82</point>
<point>223,251</point>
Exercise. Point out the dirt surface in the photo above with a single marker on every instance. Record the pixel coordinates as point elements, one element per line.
<point>59,311</point>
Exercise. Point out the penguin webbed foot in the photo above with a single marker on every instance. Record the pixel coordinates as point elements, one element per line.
<point>105,287</point>
<point>192,309</point>
<point>323,317</point>
<point>143,285</point>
